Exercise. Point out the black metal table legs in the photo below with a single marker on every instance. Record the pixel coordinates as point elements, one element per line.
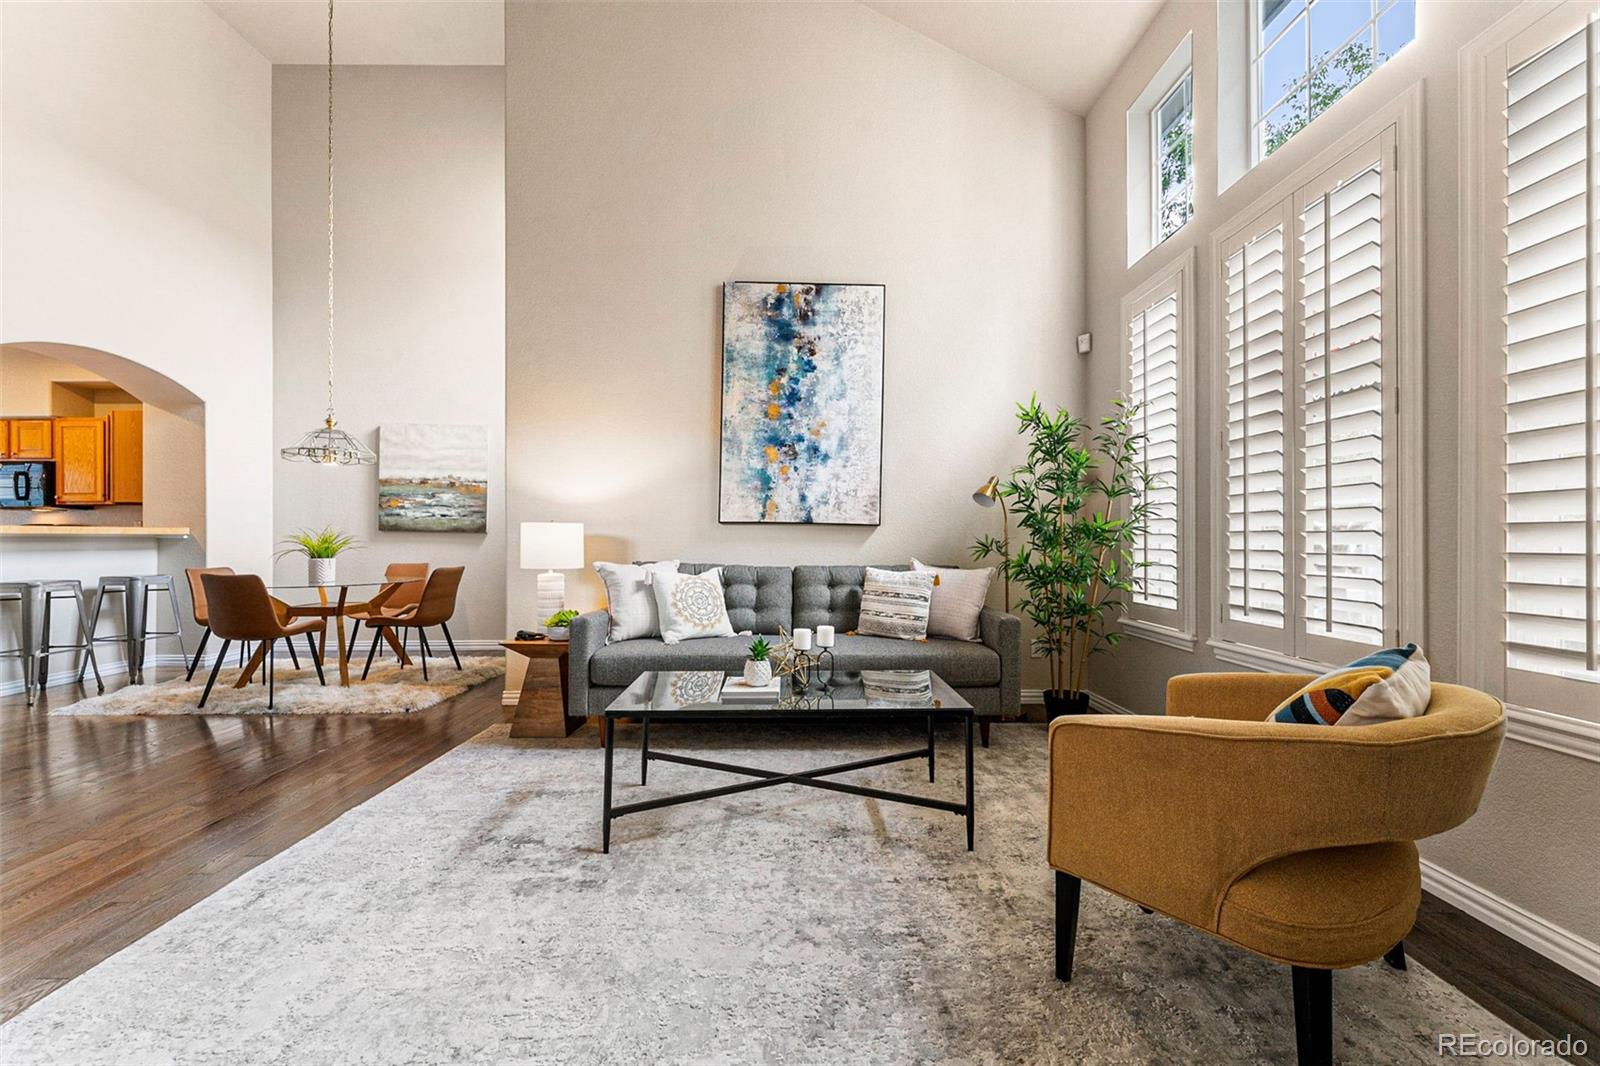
<point>768,778</point>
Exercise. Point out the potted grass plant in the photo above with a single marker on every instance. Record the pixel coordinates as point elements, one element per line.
<point>1081,501</point>
<point>758,668</point>
<point>559,625</point>
<point>321,548</point>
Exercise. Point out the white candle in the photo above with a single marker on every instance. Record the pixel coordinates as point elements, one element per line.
<point>802,640</point>
<point>824,636</point>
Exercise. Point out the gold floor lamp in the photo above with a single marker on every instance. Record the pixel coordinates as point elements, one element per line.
<point>988,496</point>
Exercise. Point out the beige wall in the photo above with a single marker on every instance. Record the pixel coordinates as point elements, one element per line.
<point>1532,842</point>
<point>136,221</point>
<point>655,152</point>
<point>420,304</point>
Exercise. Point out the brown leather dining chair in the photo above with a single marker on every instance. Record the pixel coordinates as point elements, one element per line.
<point>197,596</point>
<point>239,608</point>
<point>435,608</point>
<point>402,601</point>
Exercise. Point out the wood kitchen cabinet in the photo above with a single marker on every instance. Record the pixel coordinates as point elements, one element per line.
<point>127,455</point>
<point>82,460</point>
<point>29,438</point>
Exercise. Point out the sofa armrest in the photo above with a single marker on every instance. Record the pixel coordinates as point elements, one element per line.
<point>1003,633</point>
<point>586,636</point>
<point>1170,811</point>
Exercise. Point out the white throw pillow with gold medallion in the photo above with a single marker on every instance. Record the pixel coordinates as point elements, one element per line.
<point>691,606</point>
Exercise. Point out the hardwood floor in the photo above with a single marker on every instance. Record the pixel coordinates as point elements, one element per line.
<point>111,826</point>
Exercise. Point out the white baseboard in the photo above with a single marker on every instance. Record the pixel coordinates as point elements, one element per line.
<point>112,668</point>
<point>1561,946</point>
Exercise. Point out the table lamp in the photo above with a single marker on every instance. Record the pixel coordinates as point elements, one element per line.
<point>551,546</point>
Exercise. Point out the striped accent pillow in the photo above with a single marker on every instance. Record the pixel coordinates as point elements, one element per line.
<point>1388,684</point>
<point>894,603</point>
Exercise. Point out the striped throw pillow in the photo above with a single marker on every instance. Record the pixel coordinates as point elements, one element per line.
<point>1388,684</point>
<point>894,603</point>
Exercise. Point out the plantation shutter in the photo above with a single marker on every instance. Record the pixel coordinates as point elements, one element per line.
<point>1345,286</point>
<point>1153,338</point>
<point>1256,445</point>
<point>1552,596</point>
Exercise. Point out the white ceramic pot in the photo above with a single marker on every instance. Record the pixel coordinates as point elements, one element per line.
<point>757,673</point>
<point>320,571</point>
<point>558,632</point>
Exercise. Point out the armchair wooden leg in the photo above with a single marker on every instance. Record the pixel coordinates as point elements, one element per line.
<point>1068,889</point>
<point>377,635</point>
<point>1396,956</point>
<point>447,639</point>
<point>199,653</point>
<point>215,669</point>
<point>983,731</point>
<point>316,660</point>
<point>1313,1016</point>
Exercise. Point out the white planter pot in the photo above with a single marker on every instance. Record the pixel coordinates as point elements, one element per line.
<point>757,673</point>
<point>320,571</point>
<point>558,632</point>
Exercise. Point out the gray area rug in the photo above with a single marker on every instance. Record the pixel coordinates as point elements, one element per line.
<point>467,915</point>
<point>389,689</point>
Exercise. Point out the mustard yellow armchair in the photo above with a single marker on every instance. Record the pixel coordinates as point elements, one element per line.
<point>1292,841</point>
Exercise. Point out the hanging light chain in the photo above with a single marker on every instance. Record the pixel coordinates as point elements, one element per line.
<point>330,213</point>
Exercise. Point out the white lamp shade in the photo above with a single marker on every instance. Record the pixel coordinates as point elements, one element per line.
<point>552,545</point>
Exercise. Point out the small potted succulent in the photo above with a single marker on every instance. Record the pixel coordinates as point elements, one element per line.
<point>321,549</point>
<point>758,668</point>
<point>559,625</point>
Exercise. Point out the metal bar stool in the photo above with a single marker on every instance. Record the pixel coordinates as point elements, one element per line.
<point>22,594</point>
<point>135,590</point>
<point>50,591</point>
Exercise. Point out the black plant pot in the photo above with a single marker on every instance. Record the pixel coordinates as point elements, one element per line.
<point>1058,703</point>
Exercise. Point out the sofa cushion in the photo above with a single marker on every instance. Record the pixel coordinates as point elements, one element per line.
<point>831,595</point>
<point>760,599</point>
<point>1329,908</point>
<point>622,662</point>
<point>957,661</point>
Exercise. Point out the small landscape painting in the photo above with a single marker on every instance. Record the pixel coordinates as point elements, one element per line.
<point>433,478</point>
<point>802,403</point>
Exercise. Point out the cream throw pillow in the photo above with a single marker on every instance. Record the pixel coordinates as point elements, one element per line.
<point>958,598</point>
<point>894,603</point>
<point>630,601</point>
<point>691,606</point>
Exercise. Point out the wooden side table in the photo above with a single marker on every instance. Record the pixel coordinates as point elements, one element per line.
<point>542,708</point>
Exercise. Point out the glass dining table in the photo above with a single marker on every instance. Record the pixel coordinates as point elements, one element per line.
<point>333,602</point>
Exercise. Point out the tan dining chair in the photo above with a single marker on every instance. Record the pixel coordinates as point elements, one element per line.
<point>197,597</point>
<point>435,608</point>
<point>401,602</point>
<point>238,607</point>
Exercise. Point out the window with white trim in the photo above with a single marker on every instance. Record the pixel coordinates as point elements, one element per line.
<point>1306,54</point>
<point>1551,373</point>
<point>1158,337</point>
<point>1172,151</point>
<point>1308,327</point>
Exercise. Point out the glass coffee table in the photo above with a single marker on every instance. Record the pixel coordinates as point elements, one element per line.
<point>873,695</point>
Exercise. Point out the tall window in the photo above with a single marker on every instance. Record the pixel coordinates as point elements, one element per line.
<point>1552,374</point>
<point>1172,149</point>
<point>1310,543</point>
<point>1255,275</point>
<point>1306,54</point>
<point>1156,381</point>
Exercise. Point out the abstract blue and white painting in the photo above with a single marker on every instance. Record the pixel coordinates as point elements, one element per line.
<point>802,403</point>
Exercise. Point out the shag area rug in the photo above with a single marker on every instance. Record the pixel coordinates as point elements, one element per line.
<point>467,915</point>
<point>387,690</point>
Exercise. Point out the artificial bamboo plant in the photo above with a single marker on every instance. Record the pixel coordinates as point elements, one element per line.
<point>1081,503</point>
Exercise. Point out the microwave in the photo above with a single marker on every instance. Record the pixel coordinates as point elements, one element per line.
<point>27,484</point>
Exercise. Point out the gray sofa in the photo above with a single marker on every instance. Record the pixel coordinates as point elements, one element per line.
<point>760,599</point>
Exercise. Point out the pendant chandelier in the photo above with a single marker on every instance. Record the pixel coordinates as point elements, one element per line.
<point>328,444</point>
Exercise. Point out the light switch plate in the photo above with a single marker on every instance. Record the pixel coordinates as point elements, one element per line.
<point>1083,343</point>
